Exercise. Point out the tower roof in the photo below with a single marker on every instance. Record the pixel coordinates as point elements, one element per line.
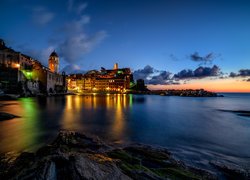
<point>2,44</point>
<point>54,54</point>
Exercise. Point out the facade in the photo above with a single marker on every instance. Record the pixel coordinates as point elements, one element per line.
<point>115,80</point>
<point>19,72</point>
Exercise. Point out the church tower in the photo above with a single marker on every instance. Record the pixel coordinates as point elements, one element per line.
<point>54,62</point>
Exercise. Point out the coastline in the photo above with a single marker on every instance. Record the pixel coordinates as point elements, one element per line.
<point>183,93</point>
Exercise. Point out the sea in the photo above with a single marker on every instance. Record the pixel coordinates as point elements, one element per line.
<point>194,129</point>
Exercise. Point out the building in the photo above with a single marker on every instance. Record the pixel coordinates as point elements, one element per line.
<point>20,73</point>
<point>55,82</point>
<point>140,85</point>
<point>54,62</point>
<point>114,80</point>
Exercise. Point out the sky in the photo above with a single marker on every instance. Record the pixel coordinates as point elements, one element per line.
<point>168,43</point>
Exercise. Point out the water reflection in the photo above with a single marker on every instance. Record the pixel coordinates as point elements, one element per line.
<point>119,120</point>
<point>166,121</point>
<point>68,119</point>
<point>20,133</point>
<point>130,100</point>
<point>88,112</point>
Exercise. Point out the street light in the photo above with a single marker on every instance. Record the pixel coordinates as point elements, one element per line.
<point>17,65</point>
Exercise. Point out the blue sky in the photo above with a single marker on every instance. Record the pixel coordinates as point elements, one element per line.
<point>161,33</point>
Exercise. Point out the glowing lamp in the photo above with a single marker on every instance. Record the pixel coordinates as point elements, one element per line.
<point>29,73</point>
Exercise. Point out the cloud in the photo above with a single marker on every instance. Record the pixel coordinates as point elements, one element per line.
<point>203,59</point>
<point>70,40</point>
<point>241,73</point>
<point>73,69</point>
<point>186,73</point>
<point>173,57</point>
<point>41,16</point>
<point>163,78</point>
<point>76,25</point>
<point>143,73</point>
<point>232,74</point>
<point>81,8</point>
<point>41,55</point>
<point>248,80</point>
<point>76,45</point>
<point>244,72</point>
<point>200,72</point>
<point>74,42</point>
<point>77,6</point>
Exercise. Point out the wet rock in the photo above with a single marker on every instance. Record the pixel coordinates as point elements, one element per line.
<point>70,156</point>
<point>7,116</point>
<point>107,169</point>
<point>76,156</point>
<point>145,162</point>
<point>74,141</point>
<point>6,162</point>
<point>5,97</point>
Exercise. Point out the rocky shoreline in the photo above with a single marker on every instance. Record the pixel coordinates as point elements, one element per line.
<point>74,155</point>
<point>184,93</point>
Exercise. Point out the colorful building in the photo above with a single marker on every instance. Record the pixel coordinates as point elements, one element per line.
<point>114,80</point>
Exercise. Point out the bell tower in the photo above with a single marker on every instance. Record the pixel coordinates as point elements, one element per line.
<point>54,62</point>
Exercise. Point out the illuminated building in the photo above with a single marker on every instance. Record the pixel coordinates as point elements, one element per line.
<point>114,80</point>
<point>19,72</point>
<point>115,66</point>
<point>54,62</point>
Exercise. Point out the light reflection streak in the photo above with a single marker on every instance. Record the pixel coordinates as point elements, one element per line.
<point>118,125</point>
<point>71,113</point>
<point>20,133</point>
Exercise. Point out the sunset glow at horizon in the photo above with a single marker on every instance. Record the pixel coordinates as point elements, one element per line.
<point>219,85</point>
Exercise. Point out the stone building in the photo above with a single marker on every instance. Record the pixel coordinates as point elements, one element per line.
<point>55,82</point>
<point>19,72</point>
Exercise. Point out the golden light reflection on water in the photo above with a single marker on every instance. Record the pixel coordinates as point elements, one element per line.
<point>106,114</point>
<point>71,112</point>
<point>82,109</point>
<point>19,133</point>
<point>118,121</point>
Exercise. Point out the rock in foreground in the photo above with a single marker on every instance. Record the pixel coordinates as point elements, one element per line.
<point>6,116</point>
<point>76,156</point>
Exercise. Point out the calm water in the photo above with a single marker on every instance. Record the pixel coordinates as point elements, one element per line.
<point>192,126</point>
